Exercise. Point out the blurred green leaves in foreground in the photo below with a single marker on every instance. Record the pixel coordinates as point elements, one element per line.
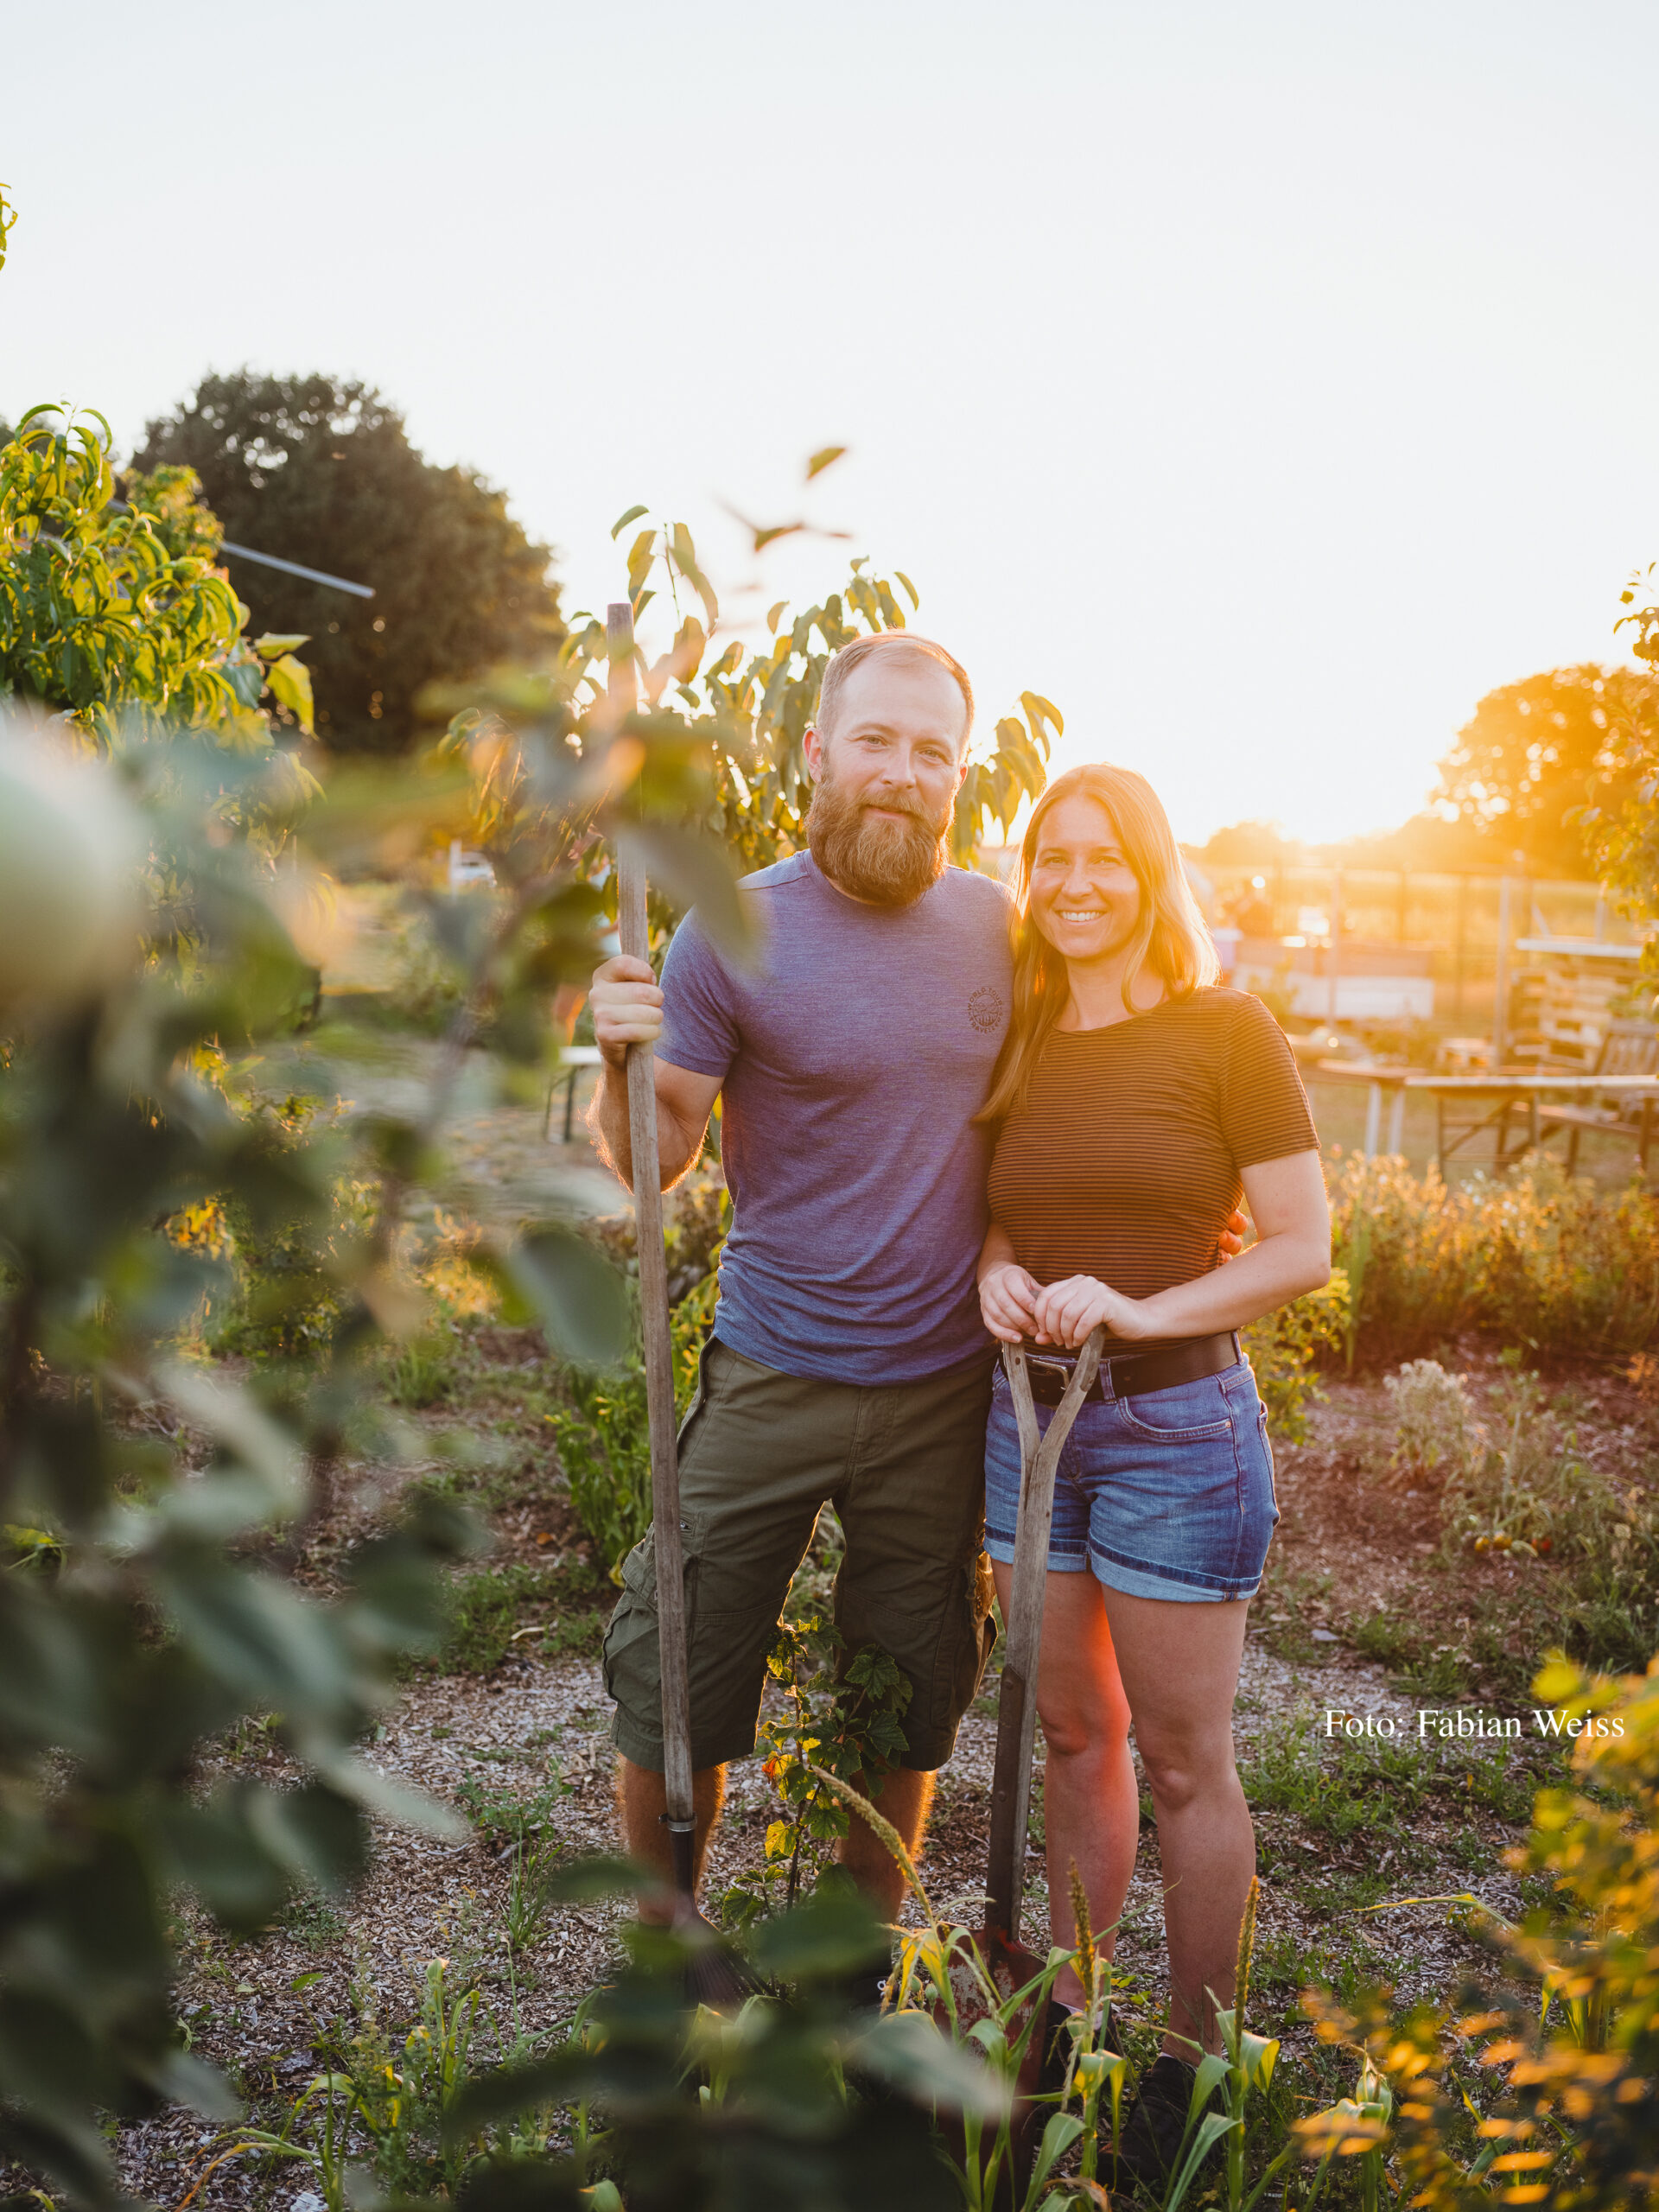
<point>155,1014</point>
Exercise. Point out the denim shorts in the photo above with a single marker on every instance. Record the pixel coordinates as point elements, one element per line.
<point>1166,1496</point>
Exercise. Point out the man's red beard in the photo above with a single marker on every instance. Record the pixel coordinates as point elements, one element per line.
<point>889,862</point>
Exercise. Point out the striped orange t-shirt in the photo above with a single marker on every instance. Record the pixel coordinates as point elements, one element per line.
<point>1124,1164</point>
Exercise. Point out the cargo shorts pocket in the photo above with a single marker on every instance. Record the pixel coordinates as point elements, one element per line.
<point>967,1639</point>
<point>630,1658</point>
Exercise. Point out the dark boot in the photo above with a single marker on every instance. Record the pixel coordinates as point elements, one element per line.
<point>1149,2145</point>
<point>1056,2046</point>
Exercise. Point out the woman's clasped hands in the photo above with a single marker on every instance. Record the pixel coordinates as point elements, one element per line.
<point>1016,1307</point>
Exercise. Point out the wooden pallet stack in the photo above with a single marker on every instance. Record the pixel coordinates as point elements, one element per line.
<point>1560,1012</point>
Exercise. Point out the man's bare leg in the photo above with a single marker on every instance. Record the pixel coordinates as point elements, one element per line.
<point>642,1802</point>
<point>903,1797</point>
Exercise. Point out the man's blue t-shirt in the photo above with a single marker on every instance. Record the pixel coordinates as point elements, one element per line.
<point>852,1061</point>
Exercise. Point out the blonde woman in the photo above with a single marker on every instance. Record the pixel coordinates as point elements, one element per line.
<point>1132,1100</point>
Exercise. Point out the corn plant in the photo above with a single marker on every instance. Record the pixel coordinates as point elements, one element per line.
<point>387,2106</point>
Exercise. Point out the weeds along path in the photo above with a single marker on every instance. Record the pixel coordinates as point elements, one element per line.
<point>1358,1803</point>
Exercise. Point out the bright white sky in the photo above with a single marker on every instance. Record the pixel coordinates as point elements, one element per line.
<point>1261,381</point>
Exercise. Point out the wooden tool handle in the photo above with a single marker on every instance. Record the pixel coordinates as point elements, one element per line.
<point>1016,1708</point>
<point>632,931</point>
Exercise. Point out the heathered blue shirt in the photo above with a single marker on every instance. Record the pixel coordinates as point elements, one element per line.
<point>851,1064</point>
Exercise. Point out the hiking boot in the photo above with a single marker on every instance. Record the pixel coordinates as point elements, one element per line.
<point>860,1990</point>
<point>1057,2045</point>
<point>1154,2126</point>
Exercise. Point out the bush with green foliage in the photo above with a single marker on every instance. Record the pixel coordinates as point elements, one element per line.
<point>1569,2032</point>
<point>1284,1347</point>
<point>157,1611</point>
<point>1537,1257</point>
<point>117,616</point>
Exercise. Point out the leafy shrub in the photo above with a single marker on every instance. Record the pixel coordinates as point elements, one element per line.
<point>170,1615</point>
<point>1413,1254</point>
<point>841,1716</point>
<point>121,617</point>
<point>1568,2117</point>
<point>1573,1271</point>
<point>603,1445</point>
<point>1541,1258</point>
<point>1284,1347</point>
<point>292,1265</point>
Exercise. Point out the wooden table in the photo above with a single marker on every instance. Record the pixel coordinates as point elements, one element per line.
<point>1500,1090</point>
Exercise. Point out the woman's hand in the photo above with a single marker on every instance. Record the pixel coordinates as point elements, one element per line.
<point>1069,1312</point>
<point>1006,1296</point>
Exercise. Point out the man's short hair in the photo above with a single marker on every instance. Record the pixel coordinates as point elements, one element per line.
<point>846,658</point>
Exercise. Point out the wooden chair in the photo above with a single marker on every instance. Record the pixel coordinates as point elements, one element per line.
<point>1627,1048</point>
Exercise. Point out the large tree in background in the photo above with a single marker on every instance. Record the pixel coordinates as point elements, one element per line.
<point>1537,750</point>
<point>323,473</point>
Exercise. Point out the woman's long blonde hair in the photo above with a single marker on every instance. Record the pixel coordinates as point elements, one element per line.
<point>1171,936</point>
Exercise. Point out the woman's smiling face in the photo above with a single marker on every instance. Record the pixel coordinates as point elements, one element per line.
<point>1084,896</point>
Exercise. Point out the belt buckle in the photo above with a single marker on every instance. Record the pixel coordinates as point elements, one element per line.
<point>1062,1369</point>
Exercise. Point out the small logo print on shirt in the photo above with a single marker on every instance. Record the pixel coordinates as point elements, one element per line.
<point>984,1009</point>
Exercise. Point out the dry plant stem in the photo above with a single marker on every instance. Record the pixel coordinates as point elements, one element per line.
<point>1090,1962</point>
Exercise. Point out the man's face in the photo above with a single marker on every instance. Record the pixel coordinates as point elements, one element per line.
<point>887,771</point>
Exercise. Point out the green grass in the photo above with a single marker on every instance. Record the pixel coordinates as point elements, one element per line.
<point>1304,1599</point>
<point>502,1816</point>
<point>521,1606</point>
<point>1336,1786</point>
<point>1283,1967</point>
<point>313,1919</point>
<point>420,1373</point>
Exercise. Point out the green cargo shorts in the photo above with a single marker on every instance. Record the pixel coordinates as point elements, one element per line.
<point>904,1465</point>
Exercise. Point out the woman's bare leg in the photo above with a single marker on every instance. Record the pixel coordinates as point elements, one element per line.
<point>1178,1664</point>
<point>1091,1808</point>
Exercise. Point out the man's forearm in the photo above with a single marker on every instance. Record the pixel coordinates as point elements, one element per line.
<point>608,1119</point>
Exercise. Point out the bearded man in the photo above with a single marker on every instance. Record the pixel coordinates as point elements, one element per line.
<point>847,1363</point>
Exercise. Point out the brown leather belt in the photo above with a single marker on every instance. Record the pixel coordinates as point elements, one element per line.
<point>1134,1374</point>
